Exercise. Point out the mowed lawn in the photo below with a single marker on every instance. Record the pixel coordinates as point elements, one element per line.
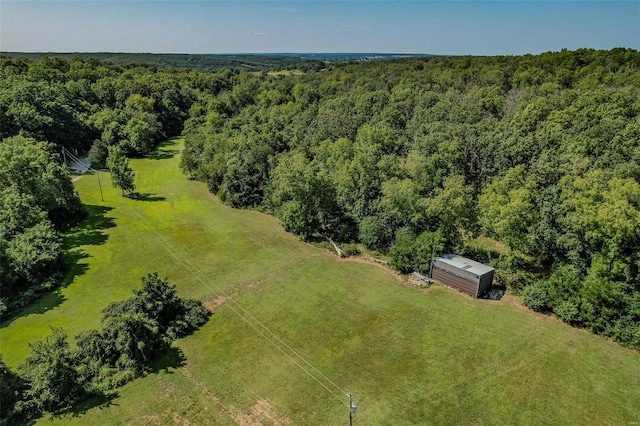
<point>408,356</point>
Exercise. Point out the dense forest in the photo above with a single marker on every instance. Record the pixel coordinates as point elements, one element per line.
<point>529,163</point>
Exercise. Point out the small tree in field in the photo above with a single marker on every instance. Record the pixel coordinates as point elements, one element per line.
<point>121,174</point>
<point>51,372</point>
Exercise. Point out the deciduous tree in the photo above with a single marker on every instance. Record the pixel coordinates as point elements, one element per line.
<point>51,372</point>
<point>122,175</point>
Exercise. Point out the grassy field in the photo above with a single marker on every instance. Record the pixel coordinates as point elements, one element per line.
<point>409,356</point>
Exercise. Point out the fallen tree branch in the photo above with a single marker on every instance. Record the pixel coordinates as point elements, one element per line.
<point>335,246</point>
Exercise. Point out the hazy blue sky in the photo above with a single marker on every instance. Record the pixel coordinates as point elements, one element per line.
<point>440,27</point>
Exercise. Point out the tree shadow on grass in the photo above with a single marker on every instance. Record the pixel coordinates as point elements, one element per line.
<point>173,358</point>
<point>147,197</point>
<point>100,401</point>
<point>166,364</point>
<point>164,151</point>
<point>88,232</point>
<point>39,306</point>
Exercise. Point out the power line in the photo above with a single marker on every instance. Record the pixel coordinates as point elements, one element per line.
<point>189,266</point>
<point>74,158</point>
<point>88,167</point>
<point>207,282</point>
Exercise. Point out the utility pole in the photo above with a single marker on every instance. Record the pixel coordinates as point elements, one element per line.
<point>100,185</point>
<point>64,156</point>
<point>352,409</point>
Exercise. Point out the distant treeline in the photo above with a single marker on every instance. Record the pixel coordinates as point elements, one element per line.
<point>249,62</point>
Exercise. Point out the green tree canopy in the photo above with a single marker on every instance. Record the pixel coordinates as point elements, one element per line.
<point>51,372</point>
<point>33,168</point>
<point>508,209</point>
<point>122,175</point>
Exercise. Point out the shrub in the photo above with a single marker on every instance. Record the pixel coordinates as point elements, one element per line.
<point>536,296</point>
<point>568,311</point>
<point>370,232</point>
<point>350,250</point>
<point>12,389</point>
<point>54,382</point>
<point>627,331</point>
<point>402,252</point>
<point>426,246</point>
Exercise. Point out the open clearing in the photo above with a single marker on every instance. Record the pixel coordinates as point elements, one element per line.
<point>409,356</point>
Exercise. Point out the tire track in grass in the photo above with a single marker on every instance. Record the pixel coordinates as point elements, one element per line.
<point>261,411</point>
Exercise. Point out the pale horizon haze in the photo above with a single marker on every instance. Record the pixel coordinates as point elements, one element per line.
<point>426,27</point>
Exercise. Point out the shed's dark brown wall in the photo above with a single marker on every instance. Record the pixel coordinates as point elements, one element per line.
<point>454,281</point>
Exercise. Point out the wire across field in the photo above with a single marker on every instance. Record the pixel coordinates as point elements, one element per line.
<point>409,356</point>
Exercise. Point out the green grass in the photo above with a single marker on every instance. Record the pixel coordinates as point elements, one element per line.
<point>488,244</point>
<point>409,356</point>
<point>286,72</point>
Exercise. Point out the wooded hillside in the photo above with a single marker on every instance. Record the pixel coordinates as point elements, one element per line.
<point>530,163</point>
<point>541,153</point>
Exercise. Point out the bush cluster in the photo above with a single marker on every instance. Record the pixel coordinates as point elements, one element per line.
<point>134,333</point>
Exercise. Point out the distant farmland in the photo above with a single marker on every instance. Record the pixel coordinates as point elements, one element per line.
<point>272,61</point>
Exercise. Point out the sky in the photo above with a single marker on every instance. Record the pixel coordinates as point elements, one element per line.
<point>240,26</point>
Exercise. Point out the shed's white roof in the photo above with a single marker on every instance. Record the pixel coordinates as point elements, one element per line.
<point>465,264</point>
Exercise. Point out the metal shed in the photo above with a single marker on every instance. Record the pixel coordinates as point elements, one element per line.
<point>463,274</point>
